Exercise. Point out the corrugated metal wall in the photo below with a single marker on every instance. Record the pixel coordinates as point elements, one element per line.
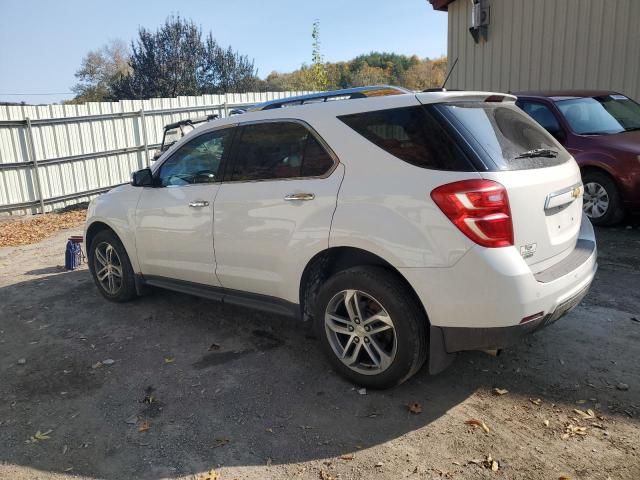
<point>83,150</point>
<point>548,44</point>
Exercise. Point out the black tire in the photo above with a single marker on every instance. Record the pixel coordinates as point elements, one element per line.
<point>409,322</point>
<point>614,213</point>
<point>127,287</point>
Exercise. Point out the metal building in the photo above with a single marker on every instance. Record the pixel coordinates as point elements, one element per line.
<point>516,45</point>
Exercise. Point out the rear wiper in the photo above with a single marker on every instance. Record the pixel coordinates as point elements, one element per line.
<point>538,152</point>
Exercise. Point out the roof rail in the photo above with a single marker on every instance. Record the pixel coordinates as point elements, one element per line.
<point>344,94</point>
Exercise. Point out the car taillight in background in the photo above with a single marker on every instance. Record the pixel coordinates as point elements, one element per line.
<point>479,208</point>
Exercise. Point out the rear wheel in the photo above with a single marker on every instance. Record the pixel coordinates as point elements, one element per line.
<point>601,201</point>
<point>370,327</point>
<point>111,268</point>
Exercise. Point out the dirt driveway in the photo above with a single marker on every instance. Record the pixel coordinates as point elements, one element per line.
<point>172,386</point>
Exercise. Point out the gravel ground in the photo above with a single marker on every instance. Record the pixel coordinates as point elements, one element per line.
<point>172,386</point>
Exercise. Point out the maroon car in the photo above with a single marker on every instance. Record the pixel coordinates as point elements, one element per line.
<point>602,131</point>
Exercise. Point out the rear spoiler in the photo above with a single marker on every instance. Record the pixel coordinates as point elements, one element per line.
<point>462,96</point>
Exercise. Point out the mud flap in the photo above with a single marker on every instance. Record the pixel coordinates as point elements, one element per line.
<point>439,359</point>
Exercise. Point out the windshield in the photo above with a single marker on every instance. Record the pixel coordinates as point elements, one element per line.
<point>504,135</point>
<point>601,115</point>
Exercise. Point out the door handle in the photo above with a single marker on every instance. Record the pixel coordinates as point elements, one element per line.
<point>199,204</point>
<point>299,197</point>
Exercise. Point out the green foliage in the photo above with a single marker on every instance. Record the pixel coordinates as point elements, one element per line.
<point>371,69</point>
<point>317,74</point>
<point>175,61</point>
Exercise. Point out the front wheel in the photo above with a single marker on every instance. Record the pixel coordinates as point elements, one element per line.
<point>601,201</point>
<point>110,267</point>
<point>370,326</point>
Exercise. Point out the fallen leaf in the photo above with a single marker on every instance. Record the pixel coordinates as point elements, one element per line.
<point>500,391</point>
<point>564,478</point>
<point>379,465</point>
<point>220,442</point>
<point>588,415</point>
<point>494,466</point>
<point>477,423</point>
<point>132,420</point>
<point>210,475</point>
<point>169,359</point>
<point>144,426</point>
<point>325,476</point>
<point>26,231</point>
<point>537,401</point>
<point>415,408</point>
<point>349,456</point>
<point>39,436</point>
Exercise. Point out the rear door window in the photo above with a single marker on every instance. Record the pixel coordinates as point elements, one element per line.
<point>410,134</point>
<point>278,150</point>
<point>503,135</point>
<point>541,114</point>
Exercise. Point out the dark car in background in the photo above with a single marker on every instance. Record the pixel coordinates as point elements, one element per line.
<point>601,130</point>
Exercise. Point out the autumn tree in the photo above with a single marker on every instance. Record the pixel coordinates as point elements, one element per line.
<point>426,74</point>
<point>99,71</point>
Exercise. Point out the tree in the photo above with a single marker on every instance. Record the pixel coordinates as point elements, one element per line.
<point>426,74</point>
<point>175,61</point>
<point>98,72</point>
<point>317,74</point>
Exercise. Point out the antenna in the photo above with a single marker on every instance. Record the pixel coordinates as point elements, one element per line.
<point>450,72</point>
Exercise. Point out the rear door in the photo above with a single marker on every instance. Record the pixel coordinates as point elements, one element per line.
<point>275,206</point>
<point>542,180</point>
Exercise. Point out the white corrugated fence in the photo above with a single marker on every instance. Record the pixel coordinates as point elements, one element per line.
<point>52,156</point>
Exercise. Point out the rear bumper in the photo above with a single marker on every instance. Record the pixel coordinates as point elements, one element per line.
<point>458,339</point>
<point>479,303</point>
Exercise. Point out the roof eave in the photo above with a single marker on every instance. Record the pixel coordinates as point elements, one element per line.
<point>441,5</point>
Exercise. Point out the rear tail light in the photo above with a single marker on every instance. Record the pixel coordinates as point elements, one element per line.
<point>480,209</point>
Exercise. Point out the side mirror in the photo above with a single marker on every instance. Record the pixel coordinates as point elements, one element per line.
<point>142,178</point>
<point>156,155</point>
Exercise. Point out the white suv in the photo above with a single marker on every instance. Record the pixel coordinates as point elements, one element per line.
<point>404,227</point>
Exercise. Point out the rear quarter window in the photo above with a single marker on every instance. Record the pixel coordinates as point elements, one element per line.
<point>410,134</point>
<point>500,133</point>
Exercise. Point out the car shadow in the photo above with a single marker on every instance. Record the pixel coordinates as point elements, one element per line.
<point>171,384</point>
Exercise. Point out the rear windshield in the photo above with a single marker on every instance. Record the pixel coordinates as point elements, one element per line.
<point>502,135</point>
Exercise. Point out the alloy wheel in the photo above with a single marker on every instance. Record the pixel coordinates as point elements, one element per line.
<point>108,268</point>
<point>361,332</point>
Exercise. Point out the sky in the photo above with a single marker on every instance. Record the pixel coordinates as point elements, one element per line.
<point>42,42</point>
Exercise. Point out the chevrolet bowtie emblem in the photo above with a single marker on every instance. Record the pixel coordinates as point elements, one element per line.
<point>576,192</point>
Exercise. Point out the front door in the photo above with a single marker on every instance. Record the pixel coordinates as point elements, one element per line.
<point>274,208</point>
<point>174,219</point>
